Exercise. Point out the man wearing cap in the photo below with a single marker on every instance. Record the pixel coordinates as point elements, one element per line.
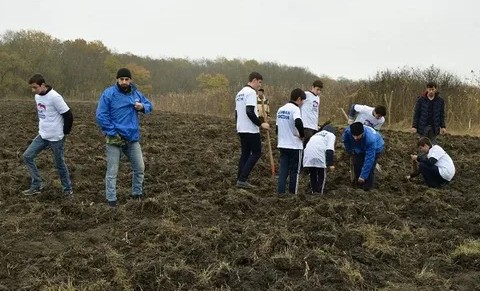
<point>365,144</point>
<point>117,117</point>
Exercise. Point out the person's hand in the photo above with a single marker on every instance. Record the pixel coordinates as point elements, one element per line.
<point>413,130</point>
<point>443,130</point>
<point>350,121</point>
<point>413,157</point>
<point>265,125</point>
<point>331,168</point>
<point>138,106</point>
<point>361,181</point>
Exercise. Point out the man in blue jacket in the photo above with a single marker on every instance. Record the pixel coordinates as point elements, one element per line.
<point>429,114</point>
<point>117,116</point>
<point>365,144</point>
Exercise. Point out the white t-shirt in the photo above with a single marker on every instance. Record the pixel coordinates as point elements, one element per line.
<point>246,97</point>
<point>288,136</point>
<point>444,162</point>
<point>310,111</point>
<point>50,108</point>
<point>314,154</point>
<point>365,116</point>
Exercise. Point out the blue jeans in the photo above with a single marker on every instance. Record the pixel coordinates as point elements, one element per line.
<point>289,167</point>
<point>133,151</point>
<point>58,147</point>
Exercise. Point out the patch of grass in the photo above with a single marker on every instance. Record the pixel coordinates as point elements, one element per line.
<point>468,248</point>
<point>374,240</point>
<point>352,272</point>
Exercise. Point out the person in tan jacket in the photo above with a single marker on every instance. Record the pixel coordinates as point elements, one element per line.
<point>261,98</point>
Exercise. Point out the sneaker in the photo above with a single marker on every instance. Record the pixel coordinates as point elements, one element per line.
<point>244,185</point>
<point>112,203</point>
<point>32,191</point>
<point>68,194</point>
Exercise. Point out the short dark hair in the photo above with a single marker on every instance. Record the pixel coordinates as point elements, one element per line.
<point>380,109</point>
<point>424,141</point>
<point>37,79</point>
<point>261,90</point>
<point>317,83</point>
<point>254,75</point>
<point>431,85</point>
<point>297,93</point>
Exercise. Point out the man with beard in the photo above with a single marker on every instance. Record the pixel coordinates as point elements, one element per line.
<point>117,116</point>
<point>429,114</point>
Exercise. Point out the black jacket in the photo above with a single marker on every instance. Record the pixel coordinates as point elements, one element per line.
<point>426,107</point>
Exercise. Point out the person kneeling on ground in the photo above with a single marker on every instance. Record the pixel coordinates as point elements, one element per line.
<point>435,166</point>
<point>365,144</point>
<point>318,155</point>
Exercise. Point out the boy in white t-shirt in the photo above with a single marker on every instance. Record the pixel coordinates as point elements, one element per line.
<point>310,110</point>
<point>318,155</point>
<point>248,123</point>
<point>289,127</point>
<point>373,117</point>
<point>435,164</point>
<point>55,121</point>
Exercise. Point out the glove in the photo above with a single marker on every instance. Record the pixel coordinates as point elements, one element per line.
<point>116,140</point>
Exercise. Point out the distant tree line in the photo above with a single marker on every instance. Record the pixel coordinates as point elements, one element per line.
<point>81,70</point>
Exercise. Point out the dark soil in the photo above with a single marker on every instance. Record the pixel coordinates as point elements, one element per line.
<point>195,231</point>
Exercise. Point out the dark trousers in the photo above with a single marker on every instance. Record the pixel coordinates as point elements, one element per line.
<point>358,161</point>
<point>289,168</point>
<point>429,132</point>
<point>431,175</point>
<point>251,146</point>
<point>317,179</point>
<point>308,134</point>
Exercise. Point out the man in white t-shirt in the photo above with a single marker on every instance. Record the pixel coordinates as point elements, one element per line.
<point>290,132</point>
<point>373,117</point>
<point>248,123</point>
<point>435,165</point>
<point>55,121</point>
<point>310,110</point>
<point>318,155</point>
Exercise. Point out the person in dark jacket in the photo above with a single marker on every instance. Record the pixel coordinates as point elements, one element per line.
<point>429,114</point>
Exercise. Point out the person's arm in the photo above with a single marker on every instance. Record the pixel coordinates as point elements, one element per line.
<point>103,116</point>
<point>369,160</point>
<point>67,121</point>
<point>352,112</point>
<point>442,114</point>
<point>147,105</point>
<point>416,113</point>
<point>299,126</point>
<point>379,125</point>
<point>252,116</point>
<point>329,156</point>
<point>347,141</point>
<point>424,159</point>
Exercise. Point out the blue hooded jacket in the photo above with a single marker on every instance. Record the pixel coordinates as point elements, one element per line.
<point>116,113</point>
<point>371,144</point>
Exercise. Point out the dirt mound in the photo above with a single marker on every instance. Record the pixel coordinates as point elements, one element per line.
<point>195,231</point>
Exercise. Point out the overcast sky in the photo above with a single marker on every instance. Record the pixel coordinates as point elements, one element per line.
<point>338,38</point>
